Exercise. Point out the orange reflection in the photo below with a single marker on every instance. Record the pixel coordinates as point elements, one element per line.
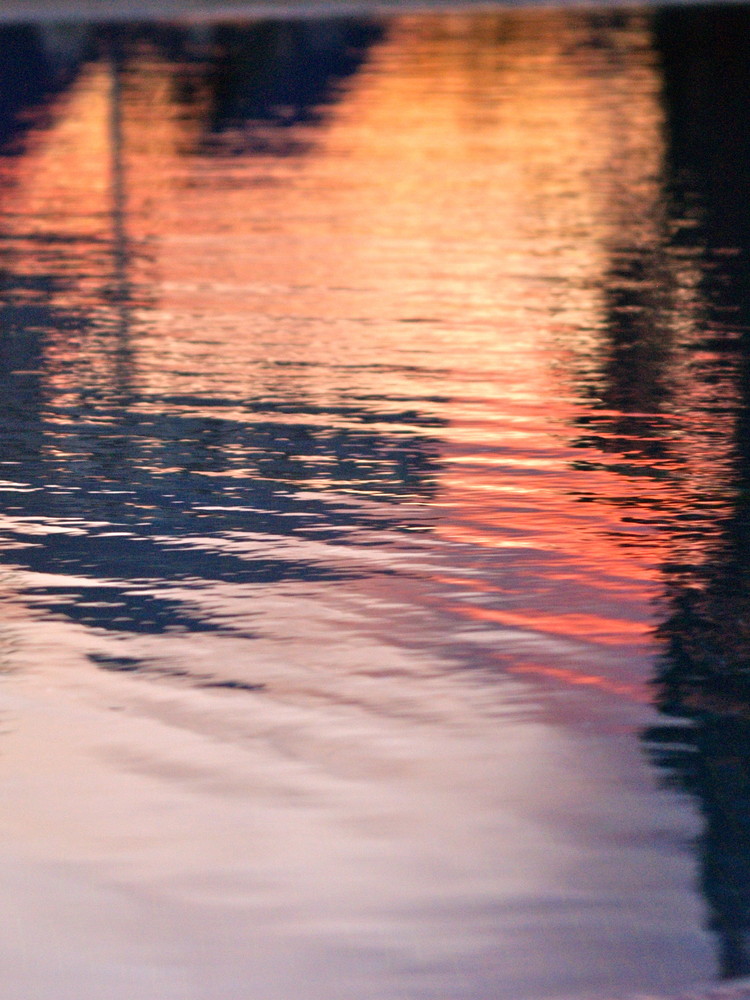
<point>440,243</point>
<point>633,692</point>
<point>590,628</point>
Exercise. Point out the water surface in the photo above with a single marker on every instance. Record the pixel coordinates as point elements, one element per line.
<point>374,468</point>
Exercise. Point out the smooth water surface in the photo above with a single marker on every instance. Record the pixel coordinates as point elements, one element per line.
<point>375,479</point>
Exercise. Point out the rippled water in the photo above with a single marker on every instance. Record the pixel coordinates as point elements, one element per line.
<point>375,466</point>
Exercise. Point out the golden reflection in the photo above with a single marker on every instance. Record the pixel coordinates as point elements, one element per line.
<point>67,164</point>
<point>446,231</point>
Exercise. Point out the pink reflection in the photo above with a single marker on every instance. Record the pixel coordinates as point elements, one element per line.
<point>400,329</point>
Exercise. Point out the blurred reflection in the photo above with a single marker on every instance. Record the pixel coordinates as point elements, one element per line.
<point>85,436</point>
<point>396,319</point>
<point>703,681</point>
<point>556,167</point>
<point>80,202</point>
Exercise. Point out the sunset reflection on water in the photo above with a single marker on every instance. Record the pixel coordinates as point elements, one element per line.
<point>374,440</point>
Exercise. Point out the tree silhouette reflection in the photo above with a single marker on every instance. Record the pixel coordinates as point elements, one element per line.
<point>268,77</point>
<point>703,679</point>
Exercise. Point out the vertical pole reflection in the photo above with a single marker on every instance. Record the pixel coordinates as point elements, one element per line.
<point>120,291</point>
<point>119,235</point>
<point>703,681</point>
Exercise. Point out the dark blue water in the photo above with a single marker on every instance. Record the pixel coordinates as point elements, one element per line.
<point>374,526</point>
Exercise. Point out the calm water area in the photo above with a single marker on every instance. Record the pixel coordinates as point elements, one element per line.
<point>374,506</point>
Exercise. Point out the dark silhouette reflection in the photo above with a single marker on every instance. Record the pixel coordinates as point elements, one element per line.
<point>34,65</point>
<point>703,51</point>
<point>674,353</point>
<point>270,76</point>
<point>630,396</point>
<point>711,760</point>
<point>703,680</point>
<point>144,494</point>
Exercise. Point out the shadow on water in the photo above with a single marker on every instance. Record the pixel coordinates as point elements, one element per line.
<point>106,484</point>
<point>665,355</point>
<point>31,72</point>
<point>272,76</point>
<point>703,679</point>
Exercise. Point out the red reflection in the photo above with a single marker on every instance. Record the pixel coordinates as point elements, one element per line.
<point>633,692</point>
<point>443,246</point>
<point>568,624</point>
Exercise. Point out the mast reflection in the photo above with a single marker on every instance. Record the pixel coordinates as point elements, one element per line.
<point>88,437</point>
<point>224,351</point>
